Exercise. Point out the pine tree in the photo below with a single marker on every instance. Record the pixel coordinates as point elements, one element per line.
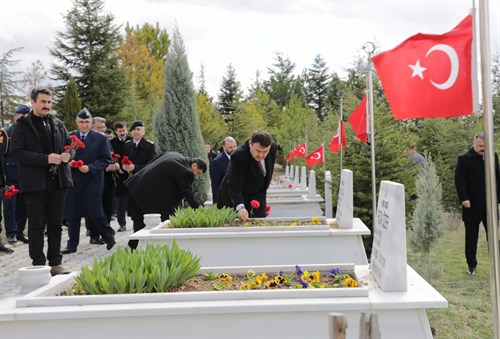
<point>71,105</point>
<point>176,124</point>
<point>229,96</point>
<point>87,50</point>
<point>202,89</point>
<point>8,85</point>
<point>428,217</point>
<point>317,79</point>
<point>281,79</point>
<point>34,77</point>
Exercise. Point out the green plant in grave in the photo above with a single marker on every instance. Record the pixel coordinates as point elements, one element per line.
<point>156,268</point>
<point>202,217</point>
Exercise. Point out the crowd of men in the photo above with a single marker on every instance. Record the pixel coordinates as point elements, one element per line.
<point>60,174</point>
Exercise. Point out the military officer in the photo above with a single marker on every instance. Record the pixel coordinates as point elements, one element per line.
<point>14,209</point>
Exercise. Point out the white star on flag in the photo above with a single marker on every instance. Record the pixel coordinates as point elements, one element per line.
<point>417,70</point>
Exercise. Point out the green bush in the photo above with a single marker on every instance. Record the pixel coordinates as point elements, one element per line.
<point>202,217</point>
<point>155,268</point>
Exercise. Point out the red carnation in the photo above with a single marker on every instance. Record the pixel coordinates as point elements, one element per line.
<point>10,192</point>
<point>255,204</point>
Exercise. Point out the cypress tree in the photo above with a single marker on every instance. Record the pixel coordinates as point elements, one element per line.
<point>71,105</point>
<point>428,217</point>
<point>175,123</point>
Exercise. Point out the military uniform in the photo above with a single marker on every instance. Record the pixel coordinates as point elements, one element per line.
<point>14,209</point>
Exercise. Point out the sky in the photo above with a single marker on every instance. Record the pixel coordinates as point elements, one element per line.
<point>249,33</point>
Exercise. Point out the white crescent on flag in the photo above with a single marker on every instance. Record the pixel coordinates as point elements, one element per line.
<point>418,70</point>
<point>302,150</point>
<point>316,155</point>
<point>455,65</point>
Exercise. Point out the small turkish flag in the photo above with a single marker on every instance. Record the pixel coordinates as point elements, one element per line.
<point>315,157</point>
<point>338,139</point>
<point>430,75</point>
<point>358,121</point>
<point>300,150</point>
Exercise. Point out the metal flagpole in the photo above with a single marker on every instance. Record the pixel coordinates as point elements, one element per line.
<point>489,165</point>
<point>369,48</point>
<point>341,94</point>
<point>307,138</point>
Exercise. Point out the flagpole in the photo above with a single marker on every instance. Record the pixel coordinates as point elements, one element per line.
<point>341,94</point>
<point>489,165</point>
<point>369,48</point>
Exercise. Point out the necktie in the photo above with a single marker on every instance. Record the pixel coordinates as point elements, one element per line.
<point>82,138</point>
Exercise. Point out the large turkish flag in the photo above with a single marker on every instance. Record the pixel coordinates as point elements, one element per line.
<point>429,75</point>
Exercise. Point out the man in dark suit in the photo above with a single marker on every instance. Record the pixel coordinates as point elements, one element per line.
<point>218,166</point>
<point>248,176</point>
<point>38,142</point>
<point>160,186</point>
<point>84,199</point>
<point>471,189</point>
<point>118,145</point>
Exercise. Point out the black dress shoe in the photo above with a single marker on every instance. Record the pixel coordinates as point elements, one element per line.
<point>11,239</point>
<point>110,244</point>
<point>68,251</point>
<point>6,249</point>
<point>23,239</point>
<point>97,241</point>
<point>471,271</point>
<point>122,229</point>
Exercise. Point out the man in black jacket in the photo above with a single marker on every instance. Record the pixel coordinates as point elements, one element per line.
<point>471,189</point>
<point>248,176</point>
<point>38,141</point>
<point>118,145</point>
<point>160,186</point>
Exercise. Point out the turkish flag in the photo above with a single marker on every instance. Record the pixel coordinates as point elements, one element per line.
<point>315,157</point>
<point>358,121</point>
<point>298,151</point>
<point>338,139</point>
<point>430,75</point>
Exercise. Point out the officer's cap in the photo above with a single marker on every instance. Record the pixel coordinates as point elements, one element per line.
<point>84,114</point>
<point>22,109</point>
<point>137,123</point>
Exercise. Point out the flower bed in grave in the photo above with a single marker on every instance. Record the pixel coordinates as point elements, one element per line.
<point>171,269</point>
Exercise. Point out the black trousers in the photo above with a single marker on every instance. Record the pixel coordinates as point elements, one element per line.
<point>45,208</point>
<point>135,212</point>
<point>471,238</point>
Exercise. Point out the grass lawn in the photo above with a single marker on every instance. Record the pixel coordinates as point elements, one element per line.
<point>469,313</point>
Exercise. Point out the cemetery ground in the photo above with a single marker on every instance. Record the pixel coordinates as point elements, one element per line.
<point>469,313</point>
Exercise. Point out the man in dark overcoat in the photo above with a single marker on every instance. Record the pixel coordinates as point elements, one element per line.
<point>38,141</point>
<point>471,188</point>
<point>160,186</point>
<point>118,145</point>
<point>248,176</point>
<point>218,166</point>
<point>84,199</point>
